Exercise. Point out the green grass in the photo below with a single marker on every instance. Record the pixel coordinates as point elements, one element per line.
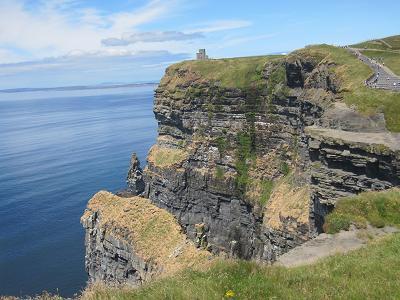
<point>391,59</point>
<point>266,191</point>
<point>244,158</point>
<point>352,73</point>
<point>219,173</point>
<point>388,43</point>
<point>377,208</point>
<point>368,273</point>
<point>238,72</point>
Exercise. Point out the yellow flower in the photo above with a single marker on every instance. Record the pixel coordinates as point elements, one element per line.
<point>229,294</point>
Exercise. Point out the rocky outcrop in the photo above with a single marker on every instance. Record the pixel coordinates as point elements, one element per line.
<point>135,182</point>
<point>130,241</point>
<point>345,163</point>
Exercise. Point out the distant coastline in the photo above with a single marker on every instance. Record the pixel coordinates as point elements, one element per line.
<point>78,87</point>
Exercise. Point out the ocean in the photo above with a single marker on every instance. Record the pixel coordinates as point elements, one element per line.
<point>57,149</point>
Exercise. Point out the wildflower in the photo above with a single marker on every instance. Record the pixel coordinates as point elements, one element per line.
<point>229,294</point>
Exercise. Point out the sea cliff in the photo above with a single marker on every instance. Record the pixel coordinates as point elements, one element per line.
<point>252,153</point>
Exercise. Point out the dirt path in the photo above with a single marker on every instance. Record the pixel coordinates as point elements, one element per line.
<point>329,244</point>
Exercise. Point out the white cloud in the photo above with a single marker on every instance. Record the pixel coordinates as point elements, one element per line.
<point>152,36</point>
<point>56,27</point>
<point>221,25</point>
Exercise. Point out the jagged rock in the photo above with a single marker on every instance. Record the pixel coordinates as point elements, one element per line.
<point>135,182</point>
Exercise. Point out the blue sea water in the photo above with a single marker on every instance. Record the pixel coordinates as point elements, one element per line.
<point>58,148</point>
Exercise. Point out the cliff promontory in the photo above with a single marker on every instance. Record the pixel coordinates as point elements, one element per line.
<point>129,240</point>
<point>252,153</point>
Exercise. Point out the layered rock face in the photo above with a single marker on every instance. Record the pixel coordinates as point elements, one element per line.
<point>130,241</point>
<point>345,163</point>
<point>203,126</point>
<point>206,128</point>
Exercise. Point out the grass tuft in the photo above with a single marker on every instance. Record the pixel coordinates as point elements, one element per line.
<point>376,208</point>
<point>166,157</point>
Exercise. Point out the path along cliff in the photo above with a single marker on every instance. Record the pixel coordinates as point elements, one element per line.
<point>383,77</point>
<point>252,153</point>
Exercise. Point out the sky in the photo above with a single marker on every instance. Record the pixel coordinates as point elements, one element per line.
<point>48,43</point>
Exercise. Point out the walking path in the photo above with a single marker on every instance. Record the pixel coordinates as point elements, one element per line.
<point>383,78</point>
<point>326,245</point>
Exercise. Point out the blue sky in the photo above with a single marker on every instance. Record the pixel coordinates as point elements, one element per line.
<point>47,43</point>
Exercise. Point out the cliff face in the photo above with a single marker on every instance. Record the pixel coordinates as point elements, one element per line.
<point>251,155</point>
<point>129,240</point>
<point>245,173</point>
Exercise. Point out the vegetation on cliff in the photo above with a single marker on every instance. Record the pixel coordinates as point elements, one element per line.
<point>166,157</point>
<point>362,274</point>
<point>376,208</point>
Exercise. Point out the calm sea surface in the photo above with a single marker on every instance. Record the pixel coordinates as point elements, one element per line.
<point>56,150</point>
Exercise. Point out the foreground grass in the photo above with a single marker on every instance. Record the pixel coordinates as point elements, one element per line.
<point>391,59</point>
<point>368,273</point>
<point>352,73</point>
<point>377,208</point>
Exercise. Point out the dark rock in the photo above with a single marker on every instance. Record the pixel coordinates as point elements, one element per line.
<point>135,177</point>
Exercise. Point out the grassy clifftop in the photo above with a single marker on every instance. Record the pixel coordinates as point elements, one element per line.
<point>237,72</point>
<point>247,71</point>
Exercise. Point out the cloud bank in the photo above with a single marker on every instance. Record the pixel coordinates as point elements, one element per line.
<point>151,36</point>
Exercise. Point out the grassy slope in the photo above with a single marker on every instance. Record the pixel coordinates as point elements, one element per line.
<point>362,274</point>
<point>352,74</point>
<point>377,208</point>
<point>390,58</point>
<point>393,41</point>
